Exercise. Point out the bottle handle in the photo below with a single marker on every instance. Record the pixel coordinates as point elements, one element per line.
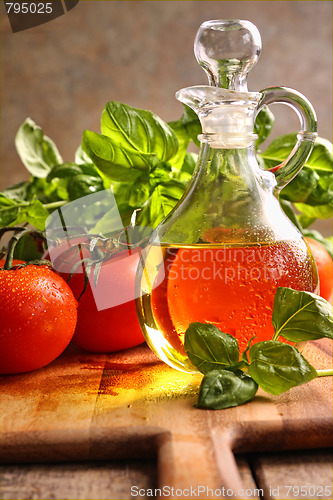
<point>287,170</point>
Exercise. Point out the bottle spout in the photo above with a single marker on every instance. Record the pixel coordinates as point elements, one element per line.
<point>226,116</point>
<point>227,50</point>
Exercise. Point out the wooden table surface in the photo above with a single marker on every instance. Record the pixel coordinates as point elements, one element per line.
<point>276,474</point>
<point>95,426</point>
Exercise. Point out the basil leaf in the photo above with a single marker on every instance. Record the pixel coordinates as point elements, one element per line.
<point>186,171</point>
<point>160,175</point>
<point>312,213</point>
<point>263,124</point>
<point>35,214</point>
<point>287,208</point>
<point>300,316</point>
<point>81,158</point>
<point>163,199</point>
<point>276,367</point>
<point>320,159</point>
<point>83,185</point>
<point>64,170</point>
<point>18,192</point>
<point>222,389</point>
<point>37,151</point>
<point>14,213</point>
<point>301,187</point>
<point>8,211</point>
<point>208,348</point>
<point>114,160</point>
<point>139,194</point>
<point>322,193</point>
<point>192,124</point>
<point>138,130</point>
<point>183,141</point>
<point>305,221</point>
<point>189,164</point>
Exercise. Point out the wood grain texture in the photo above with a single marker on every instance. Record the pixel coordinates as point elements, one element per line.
<point>84,481</point>
<point>294,475</point>
<point>97,407</point>
<point>79,481</point>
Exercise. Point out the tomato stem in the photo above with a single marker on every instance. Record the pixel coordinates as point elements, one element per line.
<point>19,232</point>
<point>7,229</point>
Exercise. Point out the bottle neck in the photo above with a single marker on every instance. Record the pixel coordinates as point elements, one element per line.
<point>227,162</point>
<point>232,181</point>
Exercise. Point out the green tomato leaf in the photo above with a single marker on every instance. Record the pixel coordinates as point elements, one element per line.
<point>138,130</point>
<point>223,389</point>
<point>263,124</point>
<point>277,367</point>
<point>27,249</point>
<point>300,316</point>
<point>114,160</point>
<point>37,151</point>
<point>209,349</point>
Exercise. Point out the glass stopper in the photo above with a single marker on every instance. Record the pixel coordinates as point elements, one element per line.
<point>227,50</point>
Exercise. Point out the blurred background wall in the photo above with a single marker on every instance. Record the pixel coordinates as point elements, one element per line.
<point>140,52</point>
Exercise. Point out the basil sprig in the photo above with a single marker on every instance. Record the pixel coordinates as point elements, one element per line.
<point>272,365</point>
<point>146,163</point>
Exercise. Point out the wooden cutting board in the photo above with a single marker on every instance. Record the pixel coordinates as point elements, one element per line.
<point>89,407</point>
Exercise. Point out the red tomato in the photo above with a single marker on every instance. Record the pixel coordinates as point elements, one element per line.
<point>38,318</point>
<point>325,268</point>
<point>107,319</point>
